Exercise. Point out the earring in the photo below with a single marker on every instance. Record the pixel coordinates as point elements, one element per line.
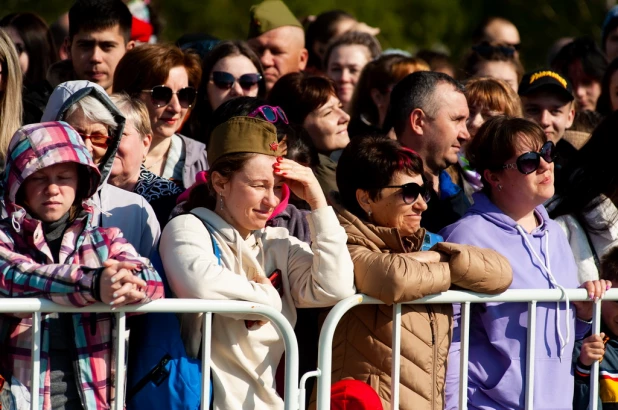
<point>369,214</point>
<point>221,202</point>
<point>499,187</point>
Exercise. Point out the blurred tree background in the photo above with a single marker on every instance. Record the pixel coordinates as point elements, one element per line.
<point>405,24</point>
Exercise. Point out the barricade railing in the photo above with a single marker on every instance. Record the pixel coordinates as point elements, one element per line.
<point>530,296</point>
<point>283,326</point>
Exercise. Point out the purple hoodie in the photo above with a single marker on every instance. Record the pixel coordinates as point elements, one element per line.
<point>498,338</point>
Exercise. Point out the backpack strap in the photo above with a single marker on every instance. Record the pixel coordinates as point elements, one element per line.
<point>215,246</point>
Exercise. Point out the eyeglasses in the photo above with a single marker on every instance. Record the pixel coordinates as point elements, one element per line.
<point>225,81</point>
<point>411,191</point>
<point>98,140</point>
<point>529,162</point>
<point>161,95</point>
<point>270,114</point>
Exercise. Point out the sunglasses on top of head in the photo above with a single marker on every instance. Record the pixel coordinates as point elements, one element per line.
<point>161,95</point>
<point>529,162</point>
<point>270,113</point>
<point>411,191</point>
<point>225,81</point>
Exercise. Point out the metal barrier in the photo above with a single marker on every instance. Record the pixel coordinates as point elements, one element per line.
<point>531,296</point>
<point>36,306</point>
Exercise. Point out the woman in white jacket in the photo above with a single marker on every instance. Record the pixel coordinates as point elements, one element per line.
<point>257,263</point>
<point>587,212</point>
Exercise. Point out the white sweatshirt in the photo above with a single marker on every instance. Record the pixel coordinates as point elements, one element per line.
<point>244,361</point>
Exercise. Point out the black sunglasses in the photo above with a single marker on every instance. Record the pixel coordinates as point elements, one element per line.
<point>411,191</point>
<point>487,50</point>
<point>529,162</point>
<point>225,80</point>
<point>161,95</point>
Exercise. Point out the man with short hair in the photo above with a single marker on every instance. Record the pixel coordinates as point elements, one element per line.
<point>428,111</point>
<point>278,38</point>
<point>547,99</point>
<point>99,35</point>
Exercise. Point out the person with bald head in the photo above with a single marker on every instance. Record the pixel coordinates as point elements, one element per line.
<point>498,30</point>
<point>278,38</point>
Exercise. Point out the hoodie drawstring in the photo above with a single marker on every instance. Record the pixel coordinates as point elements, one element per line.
<point>552,280</point>
<point>89,202</point>
<point>16,218</point>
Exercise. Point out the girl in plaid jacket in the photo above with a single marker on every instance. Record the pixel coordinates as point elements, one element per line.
<point>48,249</point>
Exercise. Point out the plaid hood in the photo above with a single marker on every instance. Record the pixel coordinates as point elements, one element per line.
<point>70,92</point>
<point>37,146</point>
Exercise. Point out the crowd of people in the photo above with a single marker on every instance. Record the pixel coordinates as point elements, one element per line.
<point>295,168</point>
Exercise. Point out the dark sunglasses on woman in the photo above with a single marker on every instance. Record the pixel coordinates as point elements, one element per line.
<point>411,191</point>
<point>225,80</point>
<point>529,162</point>
<point>161,95</point>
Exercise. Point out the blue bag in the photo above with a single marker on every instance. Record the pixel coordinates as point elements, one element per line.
<point>430,240</point>
<point>160,374</point>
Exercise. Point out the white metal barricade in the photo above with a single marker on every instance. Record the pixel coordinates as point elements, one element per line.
<point>36,306</point>
<point>531,296</point>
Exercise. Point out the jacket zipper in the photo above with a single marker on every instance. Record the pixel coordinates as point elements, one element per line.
<point>434,381</point>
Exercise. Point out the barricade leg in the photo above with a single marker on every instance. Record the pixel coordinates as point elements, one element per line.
<point>530,355</point>
<point>464,328</point>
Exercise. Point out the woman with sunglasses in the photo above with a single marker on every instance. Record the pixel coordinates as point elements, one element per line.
<point>230,70</point>
<point>165,78</point>
<point>128,171</point>
<point>515,161</point>
<point>587,212</point>
<point>382,196</point>
<point>86,107</point>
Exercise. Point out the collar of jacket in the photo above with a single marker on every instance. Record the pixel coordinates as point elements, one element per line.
<point>384,238</point>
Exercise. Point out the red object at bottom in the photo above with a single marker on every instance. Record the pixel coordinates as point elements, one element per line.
<point>354,395</point>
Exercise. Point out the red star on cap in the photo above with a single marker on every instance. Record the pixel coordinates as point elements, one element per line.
<point>274,146</point>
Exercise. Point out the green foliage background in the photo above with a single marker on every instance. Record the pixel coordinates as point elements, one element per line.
<point>406,24</point>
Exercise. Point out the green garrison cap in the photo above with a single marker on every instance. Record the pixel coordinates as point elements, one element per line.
<point>243,134</point>
<point>269,15</point>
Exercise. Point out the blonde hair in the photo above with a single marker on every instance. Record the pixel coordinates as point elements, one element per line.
<point>10,99</point>
<point>135,111</point>
<point>493,94</point>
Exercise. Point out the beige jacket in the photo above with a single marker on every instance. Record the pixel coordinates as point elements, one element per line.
<point>244,360</point>
<point>385,270</point>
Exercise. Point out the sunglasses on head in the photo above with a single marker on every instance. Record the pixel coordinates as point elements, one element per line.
<point>270,114</point>
<point>529,162</point>
<point>225,80</point>
<point>98,140</point>
<point>411,191</point>
<point>161,95</point>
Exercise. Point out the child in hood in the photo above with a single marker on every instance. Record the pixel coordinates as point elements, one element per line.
<point>49,249</point>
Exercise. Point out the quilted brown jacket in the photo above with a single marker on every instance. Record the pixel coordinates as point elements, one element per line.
<point>384,269</point>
